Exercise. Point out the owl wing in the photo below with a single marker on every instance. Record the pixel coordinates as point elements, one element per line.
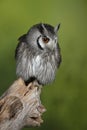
<point>19,47</point>
<point>58,55</point>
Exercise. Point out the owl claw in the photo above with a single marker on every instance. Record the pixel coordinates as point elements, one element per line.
<point>33,84</point>
<point>36,84</point>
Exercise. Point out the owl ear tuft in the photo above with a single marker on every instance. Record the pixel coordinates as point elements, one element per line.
<point>45,30</point>
<point>56,28</point>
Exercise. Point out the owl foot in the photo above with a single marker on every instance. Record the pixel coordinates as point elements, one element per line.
<point>30,80</point>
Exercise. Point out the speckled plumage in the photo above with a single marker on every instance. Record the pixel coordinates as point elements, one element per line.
<point>35,58</point>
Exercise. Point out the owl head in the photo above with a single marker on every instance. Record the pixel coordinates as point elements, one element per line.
<point>42,36</point>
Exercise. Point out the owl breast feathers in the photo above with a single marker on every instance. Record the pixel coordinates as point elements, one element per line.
<point>38,54</point>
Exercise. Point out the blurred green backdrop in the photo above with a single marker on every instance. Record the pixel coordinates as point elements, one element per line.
<point>66,98</point>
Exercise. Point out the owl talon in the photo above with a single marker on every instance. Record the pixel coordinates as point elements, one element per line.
<point>36,84</point>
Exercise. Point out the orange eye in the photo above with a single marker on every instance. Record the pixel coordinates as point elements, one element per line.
<point>45,40</point>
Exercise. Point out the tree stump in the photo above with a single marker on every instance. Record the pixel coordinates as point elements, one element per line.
<point>21,106</point>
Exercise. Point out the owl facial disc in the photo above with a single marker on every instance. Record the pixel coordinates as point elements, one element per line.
<point>46,42</point>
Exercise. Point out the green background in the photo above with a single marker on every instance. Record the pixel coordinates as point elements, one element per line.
<point>66,98</point>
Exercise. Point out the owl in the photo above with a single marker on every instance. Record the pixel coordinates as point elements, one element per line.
<point>38,54</point>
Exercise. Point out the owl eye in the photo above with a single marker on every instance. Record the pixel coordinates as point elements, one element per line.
<point>45,39</point>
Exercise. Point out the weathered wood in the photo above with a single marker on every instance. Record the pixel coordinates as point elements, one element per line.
<point>20,106</point>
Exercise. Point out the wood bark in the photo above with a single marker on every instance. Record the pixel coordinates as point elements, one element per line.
<point>21,106</point>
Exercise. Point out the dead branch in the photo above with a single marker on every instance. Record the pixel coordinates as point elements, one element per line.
<point>20,106</point>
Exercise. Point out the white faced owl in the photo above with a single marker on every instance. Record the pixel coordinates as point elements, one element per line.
<point>38,54</point>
